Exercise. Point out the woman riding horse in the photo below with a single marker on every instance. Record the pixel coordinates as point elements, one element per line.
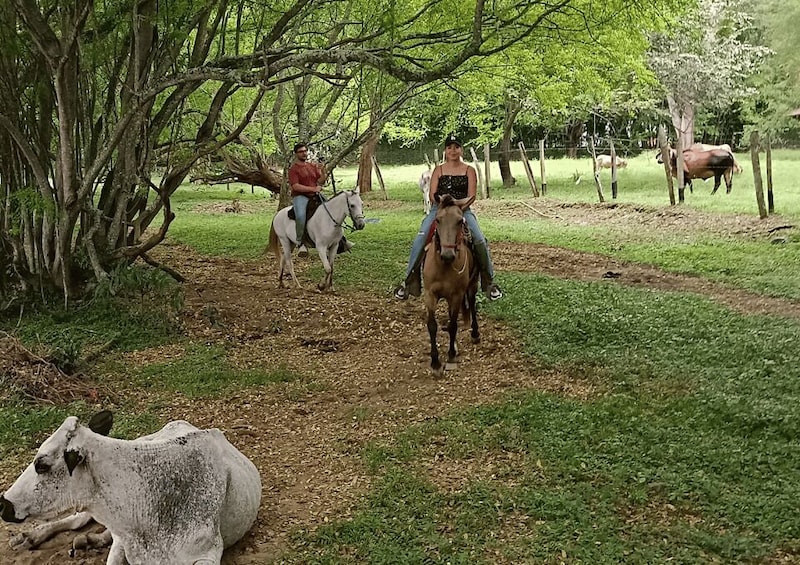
<point>458,179</point>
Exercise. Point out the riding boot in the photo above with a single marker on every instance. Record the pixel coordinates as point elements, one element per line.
<point>414,279</point>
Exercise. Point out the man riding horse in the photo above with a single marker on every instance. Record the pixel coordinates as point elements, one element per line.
<point>306,180</point>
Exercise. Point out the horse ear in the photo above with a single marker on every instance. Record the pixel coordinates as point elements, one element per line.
<point>465,203</point>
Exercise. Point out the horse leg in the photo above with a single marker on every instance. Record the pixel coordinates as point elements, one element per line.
<point>436,365</point>
<point>452,329</point>
<point>325,283</point>
<point>475,333</point>
<point>728,180</point>
<point>287,261</point>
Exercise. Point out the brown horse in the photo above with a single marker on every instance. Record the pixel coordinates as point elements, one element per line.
<point>451,273</point>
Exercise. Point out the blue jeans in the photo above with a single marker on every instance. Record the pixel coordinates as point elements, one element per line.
<point>300,203</point>
<point>478,241</point>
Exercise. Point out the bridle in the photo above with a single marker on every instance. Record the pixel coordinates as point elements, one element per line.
<point>349,212</point>
<point>456,247</point>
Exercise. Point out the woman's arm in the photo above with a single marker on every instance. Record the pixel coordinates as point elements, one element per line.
<point>472,181</point>
<point>437,172</point>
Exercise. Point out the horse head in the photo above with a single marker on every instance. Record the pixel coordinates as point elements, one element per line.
<point>450,225</point>
<point>356,209</point>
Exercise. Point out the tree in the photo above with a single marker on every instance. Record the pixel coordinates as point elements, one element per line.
<point>97,96</point>
<point>705,61</point>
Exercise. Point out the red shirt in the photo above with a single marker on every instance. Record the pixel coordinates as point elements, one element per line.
<point>306,174</point>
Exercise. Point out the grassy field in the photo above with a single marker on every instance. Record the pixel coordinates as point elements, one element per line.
<point>685,449</point>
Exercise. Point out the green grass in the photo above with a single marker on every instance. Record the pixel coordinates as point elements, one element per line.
<point>206,371</point>
<point>685,448</point>
<point>688,452</point>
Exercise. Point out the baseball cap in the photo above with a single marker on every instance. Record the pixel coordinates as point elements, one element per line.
<point>452,139</point>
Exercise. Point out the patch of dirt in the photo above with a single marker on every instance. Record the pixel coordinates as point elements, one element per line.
<point>23,372</point>
<point>360,362</point>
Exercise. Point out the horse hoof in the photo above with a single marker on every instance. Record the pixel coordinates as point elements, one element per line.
<point>451,366</point>
<point>476,340</point>
<point>437,373</point>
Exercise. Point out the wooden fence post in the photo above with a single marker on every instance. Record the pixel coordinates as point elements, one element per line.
<point>487,165</point>
<point>541,167</point>
<point>613,169</point>
<point>528,171</point>
<point>478,170</point>
<point>595,170</point>
<point>754,148</point>
<point>679,168</point>
<point>667,159</point>
<point>770,198</point>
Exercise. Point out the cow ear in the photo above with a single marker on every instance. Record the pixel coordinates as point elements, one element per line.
<point>101,422</point>
<point>73,459</point>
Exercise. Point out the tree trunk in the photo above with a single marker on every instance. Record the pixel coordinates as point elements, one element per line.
<point>512,110</point>
<point>682,114</point>
<point>364,179</point>
<point>574,134</point>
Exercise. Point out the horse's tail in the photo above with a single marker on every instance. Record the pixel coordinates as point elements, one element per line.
<point>273,241</point>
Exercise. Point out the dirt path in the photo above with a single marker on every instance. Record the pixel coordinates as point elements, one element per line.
<point>364,376</point>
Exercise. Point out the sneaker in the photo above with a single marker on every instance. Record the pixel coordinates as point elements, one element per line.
<point>303,251</point>
<point>400,293</point>
<point>494,292</point>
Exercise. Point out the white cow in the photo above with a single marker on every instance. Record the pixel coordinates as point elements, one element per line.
<point>425,187</point>
<point>604,162</point>
<point>179,496</point>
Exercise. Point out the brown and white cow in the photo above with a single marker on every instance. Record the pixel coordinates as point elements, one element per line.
<point>737,168</point>
<point>699,164</point>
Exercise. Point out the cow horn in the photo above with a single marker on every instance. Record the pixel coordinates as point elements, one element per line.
<point>73,459</point>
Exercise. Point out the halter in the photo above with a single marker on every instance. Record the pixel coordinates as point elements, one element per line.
<point>342,223</point>
<point>459,237</point>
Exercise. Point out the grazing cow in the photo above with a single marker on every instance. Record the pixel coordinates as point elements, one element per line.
<point>425,187</point>
<point>604,162</point>
<point>737,168</point>
<point>698,164</point>
<point>180,495</point>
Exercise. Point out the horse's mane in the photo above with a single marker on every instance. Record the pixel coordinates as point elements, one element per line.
<point>447,200</point>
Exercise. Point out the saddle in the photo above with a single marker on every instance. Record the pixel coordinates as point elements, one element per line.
<point>314,202</point>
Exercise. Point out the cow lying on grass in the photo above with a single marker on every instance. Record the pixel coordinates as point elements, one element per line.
<point>179,496</point>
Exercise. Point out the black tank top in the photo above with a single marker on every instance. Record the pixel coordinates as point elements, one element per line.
<point>456,186</point>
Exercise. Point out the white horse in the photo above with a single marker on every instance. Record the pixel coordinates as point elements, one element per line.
<point>324,228</point>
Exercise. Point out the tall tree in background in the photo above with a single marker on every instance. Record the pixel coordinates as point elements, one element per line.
<point>706,60</point>
<point>97,95</point>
